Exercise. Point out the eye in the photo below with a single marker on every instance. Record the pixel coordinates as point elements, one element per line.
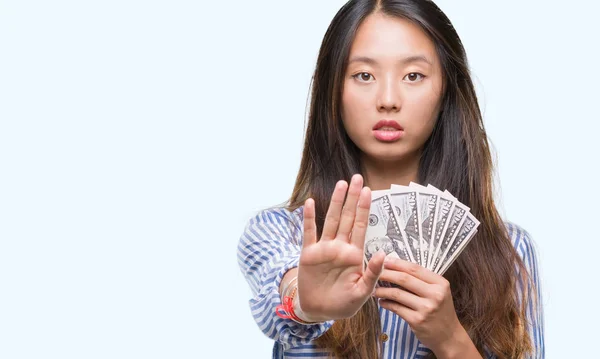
<point>413,76</point>
<point>361,76</point>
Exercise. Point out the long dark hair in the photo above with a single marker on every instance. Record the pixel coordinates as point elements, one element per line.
<point>456,157</point>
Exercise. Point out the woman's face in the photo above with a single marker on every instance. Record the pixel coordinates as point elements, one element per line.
<point>392,89</point>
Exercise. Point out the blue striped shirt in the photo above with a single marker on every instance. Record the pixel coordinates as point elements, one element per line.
<point>270,245</point>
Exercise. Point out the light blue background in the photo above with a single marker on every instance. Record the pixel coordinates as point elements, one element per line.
<point>138,137</point>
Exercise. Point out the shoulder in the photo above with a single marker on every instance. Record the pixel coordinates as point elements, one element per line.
<point>521,239</point>
<point>523,243</point>
<point>277,215</point>
<point>275,222</point>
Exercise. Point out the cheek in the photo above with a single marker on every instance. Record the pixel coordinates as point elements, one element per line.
<point>423,115</point>
<point>356,107</point>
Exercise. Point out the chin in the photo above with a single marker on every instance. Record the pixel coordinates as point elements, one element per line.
<point>390,155</point>
<point>400,151</point>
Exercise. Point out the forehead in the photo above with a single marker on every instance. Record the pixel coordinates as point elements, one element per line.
<point>389,39</point>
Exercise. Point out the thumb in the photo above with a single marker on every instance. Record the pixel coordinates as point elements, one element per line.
<point>373,270</point>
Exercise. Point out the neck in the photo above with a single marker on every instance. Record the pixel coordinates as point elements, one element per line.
<point>381,174</point>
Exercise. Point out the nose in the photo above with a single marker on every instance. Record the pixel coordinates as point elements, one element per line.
<point>388,98</point>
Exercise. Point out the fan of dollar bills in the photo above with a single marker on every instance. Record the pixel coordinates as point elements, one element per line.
<point>419,224</point>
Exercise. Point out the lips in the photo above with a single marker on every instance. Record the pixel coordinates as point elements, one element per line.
<point>388,131</point>
<point>387,125</point>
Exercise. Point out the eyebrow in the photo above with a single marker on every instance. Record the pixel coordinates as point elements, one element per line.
<point>404,61</point>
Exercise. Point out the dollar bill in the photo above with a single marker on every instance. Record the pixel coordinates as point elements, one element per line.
<point>383,230</point>
<point>427,202</point>
<point>404,200</point>
<point>457,254</point>
<point>457,217</point>
<point>444,208</point>
<point>466,232</point>
<point>419,224</point>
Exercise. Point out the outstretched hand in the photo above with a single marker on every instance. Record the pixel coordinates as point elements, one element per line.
<point>332,280</point>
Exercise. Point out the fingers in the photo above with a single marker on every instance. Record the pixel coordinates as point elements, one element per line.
<point>414,270</point>
<point>373,271</point>
<point>332,220</point>
<point>403,297</point>
<point>361,222</point>
<point>310,227</point>
<point>349,209</point>
<point>406,281</point>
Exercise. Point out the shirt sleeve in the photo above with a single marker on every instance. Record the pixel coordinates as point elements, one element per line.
<point>525,247</point>
<point>269,246</point>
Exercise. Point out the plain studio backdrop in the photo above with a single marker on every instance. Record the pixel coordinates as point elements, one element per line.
<point>138,137</point>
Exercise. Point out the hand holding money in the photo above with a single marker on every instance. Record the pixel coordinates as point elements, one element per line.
<point>423,299</point>
<point>332,283</point>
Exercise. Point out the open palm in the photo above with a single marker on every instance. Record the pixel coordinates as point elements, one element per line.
<point>332,281</point>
